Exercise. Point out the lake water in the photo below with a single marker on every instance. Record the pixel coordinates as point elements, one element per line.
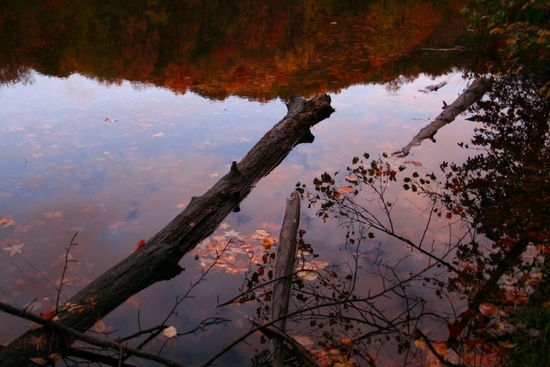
<point>114,157</point>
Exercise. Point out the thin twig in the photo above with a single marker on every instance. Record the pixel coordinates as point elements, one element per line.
<point>86,338</point>
<point>157,330</point>
<point>65,267</point>
<point>311,308</point>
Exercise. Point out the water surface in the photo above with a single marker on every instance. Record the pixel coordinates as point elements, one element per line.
<point>111,140</point>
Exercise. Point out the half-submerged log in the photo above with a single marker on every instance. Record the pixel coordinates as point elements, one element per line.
<point>158,259</point>
<point>474,92</point>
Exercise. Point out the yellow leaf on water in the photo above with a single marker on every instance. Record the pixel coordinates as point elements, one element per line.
<point>55,357</point>
<point>307,275</point>
<point>266,243</point>
<point>5,222</point>
<point>507,344</point>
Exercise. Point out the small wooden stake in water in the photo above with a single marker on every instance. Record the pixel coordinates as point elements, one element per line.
<point>284,267</point>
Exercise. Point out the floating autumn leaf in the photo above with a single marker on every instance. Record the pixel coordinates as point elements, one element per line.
<point>351,178</point>
<point>507,344</point>
<point>502,328</point>
<point>307,275</point>
<point>159,134</point>
<point>270,226</point>
<point>334,357</point>
<point>260,233</point>
<point>516,297</point>
<point>439,346</point>
<point>345,341</point>
<point>415,163</point>
<point>490,310</point>
<point>134,301</point>
<point>315,265</point>
<point>14,249</point>
<point>231,233</point>
<point>5,222</point>
<point>170,332</point>
<point>307,270</point>
<point>266,242</point>
<point>304,341</point>
<point>344,190</point>
<point>99,326</point>
<point>39,342</point>
<point>239,253</point>
<point>38,361</point>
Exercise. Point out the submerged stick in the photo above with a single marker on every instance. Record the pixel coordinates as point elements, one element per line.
<point>474,93</point>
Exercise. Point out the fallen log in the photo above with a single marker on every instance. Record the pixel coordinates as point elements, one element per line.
<point>474,92</point>
<point>284,268</point>
<point>158,259</point>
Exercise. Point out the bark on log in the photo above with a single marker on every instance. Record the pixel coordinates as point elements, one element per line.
<point>158,259</point>
<point>284,268</point>
<point>476,90</point>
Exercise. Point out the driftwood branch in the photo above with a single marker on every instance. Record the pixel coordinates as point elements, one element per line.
<point>284,268</point>
<point>158,259</point>
<point>476,90</point>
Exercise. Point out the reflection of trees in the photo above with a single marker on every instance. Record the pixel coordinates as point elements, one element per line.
<point>502,193</point>
<point>486,278</point>
<point>219,48</point>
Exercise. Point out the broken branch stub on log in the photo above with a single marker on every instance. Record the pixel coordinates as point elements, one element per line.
<point>158,259</point>
<point>474,93</point>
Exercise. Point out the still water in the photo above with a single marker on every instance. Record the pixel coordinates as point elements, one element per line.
<point>109,149</point>
<point>115,163</point>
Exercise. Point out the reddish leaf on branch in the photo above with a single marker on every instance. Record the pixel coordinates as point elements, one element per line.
<point>48,314</point>
<point>139,245</point>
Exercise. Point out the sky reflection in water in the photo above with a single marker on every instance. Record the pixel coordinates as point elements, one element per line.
<point>117,162</point>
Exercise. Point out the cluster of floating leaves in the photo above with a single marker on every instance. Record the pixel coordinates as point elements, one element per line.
<point>233,252</point>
